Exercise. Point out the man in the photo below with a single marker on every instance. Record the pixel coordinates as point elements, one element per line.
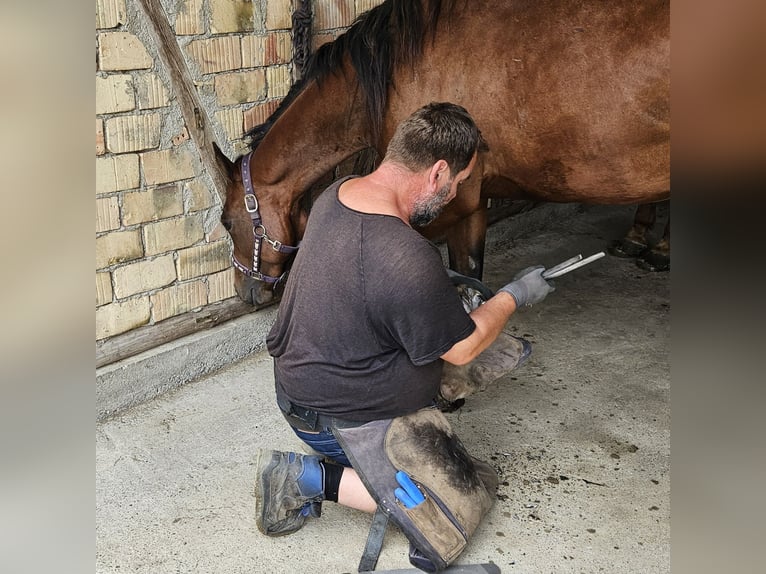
<point>369,314</point>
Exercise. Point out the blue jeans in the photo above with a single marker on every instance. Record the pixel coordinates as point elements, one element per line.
<point>324,443</point>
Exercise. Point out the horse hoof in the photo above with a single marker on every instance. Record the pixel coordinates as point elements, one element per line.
<point>526,351</point>
<point>626,248</point>
<point>446,406</point>
<point>654,261</point>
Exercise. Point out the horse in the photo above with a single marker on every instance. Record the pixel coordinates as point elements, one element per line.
<point>572,100</point>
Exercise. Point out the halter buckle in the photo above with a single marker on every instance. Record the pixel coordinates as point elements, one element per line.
<point>275,245</point>
<point>251,203</point>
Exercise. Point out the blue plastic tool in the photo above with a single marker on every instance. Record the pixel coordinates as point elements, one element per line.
<point>404,498</point>
<point>410,493</point>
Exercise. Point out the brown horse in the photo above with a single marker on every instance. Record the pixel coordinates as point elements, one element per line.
<point>572,99</point>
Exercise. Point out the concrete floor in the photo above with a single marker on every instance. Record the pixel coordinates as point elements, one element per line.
<point>580,435</point>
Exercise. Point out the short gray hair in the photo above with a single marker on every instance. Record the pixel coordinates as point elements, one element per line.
<point>439,130</point>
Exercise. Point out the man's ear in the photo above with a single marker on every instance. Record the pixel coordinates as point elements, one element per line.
<point>438,174</point>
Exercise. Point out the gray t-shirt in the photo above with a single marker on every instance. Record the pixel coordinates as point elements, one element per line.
<point>367,311</point>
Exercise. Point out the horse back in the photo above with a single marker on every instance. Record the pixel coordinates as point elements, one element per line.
<point>571,97</point>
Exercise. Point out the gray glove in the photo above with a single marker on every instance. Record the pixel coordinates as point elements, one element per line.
<point>528,286</point>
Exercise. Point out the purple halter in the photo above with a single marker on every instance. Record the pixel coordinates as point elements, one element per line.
<point>259,231</point>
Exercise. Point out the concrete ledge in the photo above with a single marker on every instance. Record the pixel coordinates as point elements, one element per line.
<point>138,379</point>
<point>130,382</point>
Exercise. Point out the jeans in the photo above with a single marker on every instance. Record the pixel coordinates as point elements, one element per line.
<point>324,443</point>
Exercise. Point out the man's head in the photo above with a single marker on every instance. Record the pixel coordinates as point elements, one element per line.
<point>437,131</point>
<point>440,140</point>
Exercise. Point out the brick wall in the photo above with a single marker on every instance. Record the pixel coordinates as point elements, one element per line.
<point>160,249</point>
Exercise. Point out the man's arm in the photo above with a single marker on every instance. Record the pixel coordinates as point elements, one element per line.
<point>527,288</point>
<point>490,318</point>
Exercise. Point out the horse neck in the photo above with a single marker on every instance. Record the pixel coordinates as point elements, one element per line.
<point>323,126</point>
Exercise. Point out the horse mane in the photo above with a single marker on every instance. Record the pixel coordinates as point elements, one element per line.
<point>380,40</point>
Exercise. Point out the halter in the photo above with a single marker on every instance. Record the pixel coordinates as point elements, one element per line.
<point>259,231</point>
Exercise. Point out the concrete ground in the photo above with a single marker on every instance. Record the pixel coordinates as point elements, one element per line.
<point>580,435</point>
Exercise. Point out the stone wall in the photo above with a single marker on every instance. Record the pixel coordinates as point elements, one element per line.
<point>160,249</point>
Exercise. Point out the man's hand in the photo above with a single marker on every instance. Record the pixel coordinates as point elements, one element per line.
<point>528,287</point>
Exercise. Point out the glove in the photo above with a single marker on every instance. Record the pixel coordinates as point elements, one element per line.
<point>528,286</point>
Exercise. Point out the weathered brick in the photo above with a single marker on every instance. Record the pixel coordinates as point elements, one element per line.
<point>221,285</point>
<point>232,122</point>
<point>100,145</point>
<point>363,6</point>
<point>269,50</point>
<point>320,38</point>
<point>218,232</point>
<point>197,196</point>
<point>181,136</point>
<point>122,51</point>
<point>117,247</point>
<point>231,16</point>
<point>217,54</point>
<point>120,317</point>
<point>259,113</point>
<point>239,147</point>
<point>278,81</point>
<point>103,288</point>
<point>167,165</point>
<point>175,233</point>
<point>114,93</point>
<point>279,49</point>
<point>116,173</point>
<point>143,276</point>
<point>240,87</point>
<point>132,133</point>
<point>107,214</point>
<point>178,299</point>
<point>279,14</point>
<point>151,92</point>
<point>110,13</point>
<point>203,260</point>
<point>333,14</point>
<point>152,204</point>
<point>189,18</point>
<point>253,51</point>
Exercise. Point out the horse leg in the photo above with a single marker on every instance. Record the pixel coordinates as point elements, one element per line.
<point>465,247</point>
<point>465,244</point>
<point>658,257</point>
<point>635,242</point>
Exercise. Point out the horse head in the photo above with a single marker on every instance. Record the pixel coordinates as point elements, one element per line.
<point>263,230</point>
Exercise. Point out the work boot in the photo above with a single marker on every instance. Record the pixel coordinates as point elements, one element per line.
<point>288,488</point>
